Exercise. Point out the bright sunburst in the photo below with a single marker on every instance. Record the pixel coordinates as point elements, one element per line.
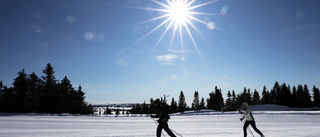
<point>178,11</point>
<point>179,15</point>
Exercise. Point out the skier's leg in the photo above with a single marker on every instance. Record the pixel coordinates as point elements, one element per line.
<point>245,126</point>
<point>253,124</point>
<point>166,128</point>
<point>159,129</point>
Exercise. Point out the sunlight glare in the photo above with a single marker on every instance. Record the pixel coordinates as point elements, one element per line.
<point>178,15</point>
<point>179,11</point>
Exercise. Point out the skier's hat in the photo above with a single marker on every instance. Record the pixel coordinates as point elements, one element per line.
<point>157,101</point>
<point>245,104</point>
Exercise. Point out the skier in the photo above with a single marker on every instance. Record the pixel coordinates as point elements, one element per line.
<point>249,120</point>
<point>162,114</point>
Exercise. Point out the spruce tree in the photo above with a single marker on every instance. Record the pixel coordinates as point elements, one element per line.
<point>49,97</point>
<point>20,86</point>
<point>196,103</point>
<point>264,95</point>
<point>182,105</point>
<point>234,100</point>
<point>301,97</point>
<point>307,96</point>
<point>173,106</point>
<point>144,108</point>
<point>210,103</point>
<point>202,104</point>
<point>107,111</point>
<point>229,101</point>
<point>285,95</point>
<point>215,101</point>
<point>316,96</point>
<point>275,91</point>
<point>256,98</point>
<point>35,87</point>
<point>1,97</point>
<point>294,98</point>
<point>65,96</point>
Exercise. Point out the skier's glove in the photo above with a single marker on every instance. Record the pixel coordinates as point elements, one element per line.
<point>241,119</point>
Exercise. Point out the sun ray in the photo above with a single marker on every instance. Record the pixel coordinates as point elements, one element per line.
<point>196,46</point>
<point>203,13</point>
<point>197,20</point>
<point>164,22</point>
<point>190,3</point>
<point>200,5</point>
<point>164,33</point>
<point>194,27</point>
<point>164,5</point>
<point>181,39</point>
<point>153,19</point>
<point>173,35</point>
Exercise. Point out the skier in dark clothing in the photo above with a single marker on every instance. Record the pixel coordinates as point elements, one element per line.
<point>163,115</point>
<point>249,120</point>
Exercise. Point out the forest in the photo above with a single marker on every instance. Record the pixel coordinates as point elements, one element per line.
<point>298,96</point>
<point>31,94</point>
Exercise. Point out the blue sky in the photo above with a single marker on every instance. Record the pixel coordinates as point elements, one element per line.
<point>98,44</point>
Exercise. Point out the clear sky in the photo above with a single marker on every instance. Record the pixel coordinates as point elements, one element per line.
<point>125,51</point>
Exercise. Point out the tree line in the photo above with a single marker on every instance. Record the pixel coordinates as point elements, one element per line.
<point>31,94</point>
<point>298,96</point>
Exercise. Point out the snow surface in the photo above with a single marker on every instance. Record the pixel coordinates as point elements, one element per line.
<point>204,123</point>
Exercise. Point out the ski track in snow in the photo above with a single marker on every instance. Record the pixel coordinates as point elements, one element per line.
<point>272,124</point>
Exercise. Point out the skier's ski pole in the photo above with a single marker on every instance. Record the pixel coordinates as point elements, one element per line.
<point>247,127</point>
<point>176,133</point>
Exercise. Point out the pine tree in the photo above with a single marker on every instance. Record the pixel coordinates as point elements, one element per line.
<point>264,95</point>
<point>229,101</point>
<point>256,98</point>
<point>35,87</point>
<point>285,95</point>
<point>173,106</point>
<point>301,97</point>
<point>1,97</point>
<point>215,101</point>
<point>245,96</point>
<point>182,105</point>
<point>83,106</point>
<point>307,96</point>
<point>316,96</point>
<point>275,92</point>
<point>219,99</point>
<point>152,108</point>
<point>9,98</point>
<point>20,86</point>
<point>294,98</point>
<point>107,111</point>
<point>196,104</point>
<point>202,104</point>
<point>210,103</point>
<point>144,108</point>
<point>234,100</point>
<point>48,97</point>
<point>65,97</point>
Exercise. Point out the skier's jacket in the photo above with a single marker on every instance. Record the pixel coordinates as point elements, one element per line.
<point>248,115</point>
<point>162,114</point>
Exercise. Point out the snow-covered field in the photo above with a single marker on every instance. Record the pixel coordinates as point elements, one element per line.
<point>200,124</point>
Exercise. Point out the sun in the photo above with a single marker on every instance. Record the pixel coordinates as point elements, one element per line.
<point>179,15</point>
<point>179,11</point>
